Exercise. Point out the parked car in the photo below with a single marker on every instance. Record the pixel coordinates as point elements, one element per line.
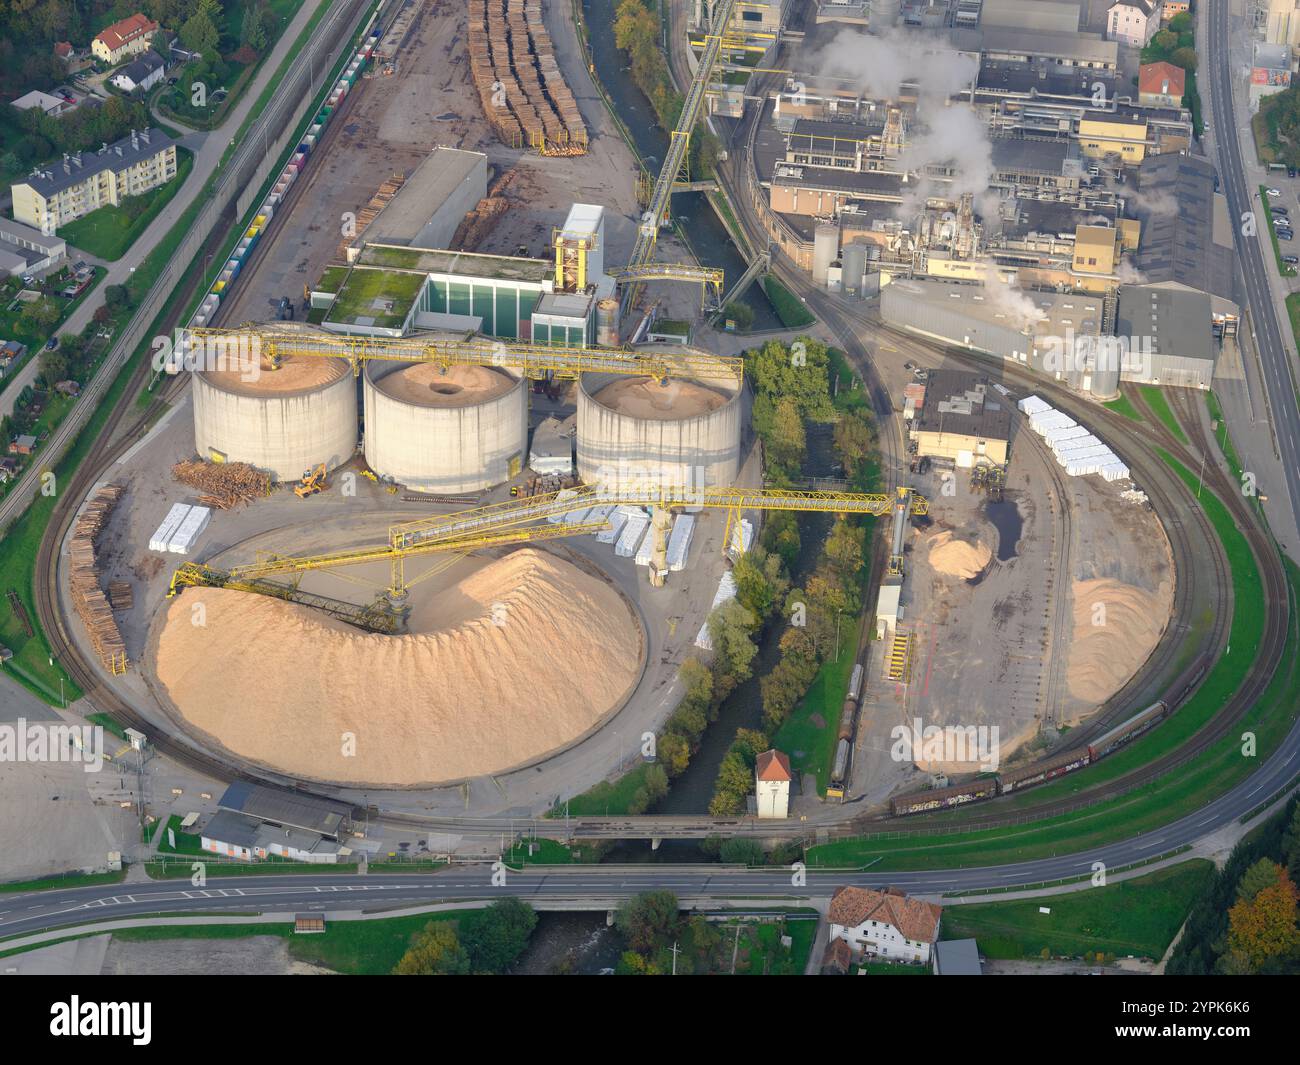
<point>52,343</point>
<point>1291,260</point>
<point>1286,235</point>
<point>1274,192</point>
<point>1290,171</point>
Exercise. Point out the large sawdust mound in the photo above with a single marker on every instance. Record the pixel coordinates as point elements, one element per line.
<point>643,397</point>
<point>1104,656</point>
<point>458,386</point>
<point>957,558</point>
<point>529,653</point>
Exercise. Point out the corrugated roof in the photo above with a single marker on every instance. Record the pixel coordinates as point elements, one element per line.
<point>285,808</point>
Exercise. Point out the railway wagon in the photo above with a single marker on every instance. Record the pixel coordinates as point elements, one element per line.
<point>1128,730</point>
<point>942,798</point>
<point>855,683</point>
<point>1040,772</point>
<point>840,770</point>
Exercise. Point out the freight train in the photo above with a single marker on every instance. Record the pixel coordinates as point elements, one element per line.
<point>844,740</point>
<point>1035,773</point>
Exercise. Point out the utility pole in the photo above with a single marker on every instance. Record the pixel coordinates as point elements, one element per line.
<point>675,953</point>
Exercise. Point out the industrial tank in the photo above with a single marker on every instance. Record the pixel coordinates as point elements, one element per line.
<point>461,429</point>
<point>855,268</point>
<point>681,432</point>
<point>826,249</point>
<point>1104,383</point>
<point>284,420</point>
<point>607,327</point>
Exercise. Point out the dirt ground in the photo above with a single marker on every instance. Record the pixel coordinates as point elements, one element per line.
<point>1010,647</point>
<point>394,121</point>
<point>245,956</point>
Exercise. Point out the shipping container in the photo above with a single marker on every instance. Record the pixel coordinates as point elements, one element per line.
<point>162,536</point>
<point>188,532</point>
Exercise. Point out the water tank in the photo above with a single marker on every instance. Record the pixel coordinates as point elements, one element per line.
<point>283,420</point>
<point>462,429</point>
<point>826,249</point>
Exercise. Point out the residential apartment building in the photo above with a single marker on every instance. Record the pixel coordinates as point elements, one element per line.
<point>1133,22</point>
<point>56,193</point>
<point>124,39</point>
<point>1161,85</point>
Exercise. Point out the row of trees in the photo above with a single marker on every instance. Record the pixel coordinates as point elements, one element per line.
<point>636,32</point>
<point>486,942</point>
<point>1246,922</point>
<point>43,136</point>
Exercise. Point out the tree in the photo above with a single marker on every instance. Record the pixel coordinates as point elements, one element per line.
<point>740,313</point>
<point>730,626</point>
<point>252,33</point>
<point>753,588</point>
<point>494,937</point>
<point>54,367</point>
<point>40,315</point>
<point>855,441</point>
<point>674,753</point>
<point>648,920</point>
<point>1257,877</point>
<point>844,550</point>
<point>434,951</point>
<point>1185,58</point>
<point>1263,928</point>
<point>199,32</point>
<point>117,297</point>
<point>742,850</point>
<point>786,441</point>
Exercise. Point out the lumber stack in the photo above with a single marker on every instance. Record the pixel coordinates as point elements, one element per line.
<point>120,595</point>
<point>223,484</point>
<point>381,199</point>
<point>523,93</point>
<point>88,598</point>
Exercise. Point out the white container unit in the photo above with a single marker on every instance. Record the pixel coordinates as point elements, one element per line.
<point>726,590</point>
<point>647,549</point>
<point>629,539</point>
<point>1047,420</point>
<point>187,535</point>
<point>162,537</point>
<point>617,519</point>
<point>1033,405</point>
<point>1057,437</point>
<point>679,542</point>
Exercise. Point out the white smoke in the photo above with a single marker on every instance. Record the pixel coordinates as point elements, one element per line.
<point>1009,298</point>
<point>943,133</point>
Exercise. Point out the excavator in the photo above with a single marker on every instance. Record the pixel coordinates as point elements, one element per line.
<point>313,481</point>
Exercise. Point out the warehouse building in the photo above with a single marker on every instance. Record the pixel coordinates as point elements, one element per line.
<point>1168,336</point>
<point>282,809</point>
<point>249,839</point>
<point>962,421</point>
<point>24,250</point>
<point>433,201</point>
<point>56,193</point>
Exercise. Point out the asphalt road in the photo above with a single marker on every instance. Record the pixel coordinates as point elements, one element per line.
<point>1254,253</point>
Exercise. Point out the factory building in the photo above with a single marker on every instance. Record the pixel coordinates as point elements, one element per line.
<point>1165,330</point>
<point>961,420</point>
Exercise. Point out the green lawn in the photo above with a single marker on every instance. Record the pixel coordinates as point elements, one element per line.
<point>107,232</point>
<point>789,307</point>
<point>186,843</point>
<point>1156,802</point>
<point>847,396</point>
<point>1139,917</point>
<point>1265,202</point>
<point>545,852</point>
<point>607,797</point>
<point>811,731</point>
<point>67,880</point>
<point>1293,312</point>
<point>363,948</point>
<point>367,292</point>
<point>1154,398</point>
<point>1124,406</point>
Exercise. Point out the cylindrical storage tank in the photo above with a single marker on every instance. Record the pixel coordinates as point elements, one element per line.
<point>855,266</point>
<point>633,430</point>
<point>460,430</point>
<point>1106,369</point>
<point>607,323</point>
<point>826,249</point>
<point>283,421</point>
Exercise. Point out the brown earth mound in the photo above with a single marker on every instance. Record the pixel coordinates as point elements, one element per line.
<point>516,660</point>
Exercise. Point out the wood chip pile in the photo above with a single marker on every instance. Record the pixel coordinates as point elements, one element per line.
<point>88,599</point>
<point>224,484</point>
<point>519,83</point>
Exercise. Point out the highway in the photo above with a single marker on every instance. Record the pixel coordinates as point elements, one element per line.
<point>1253,252</point>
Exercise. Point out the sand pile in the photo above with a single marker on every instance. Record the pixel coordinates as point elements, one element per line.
<point>958,558</point>
<point>1104,656</point>
<point>516,660</point>
<point>644,397</point>
<point>459,386</point>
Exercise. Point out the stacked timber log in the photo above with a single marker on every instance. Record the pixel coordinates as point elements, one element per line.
<point>523,94</point>
<point>381,199</point>
<point>88,599</point>
<point>224,484</point>
<point>120,595</point>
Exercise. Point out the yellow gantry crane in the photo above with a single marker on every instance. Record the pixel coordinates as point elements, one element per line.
<point>249,345</point>
<point>516,521</point>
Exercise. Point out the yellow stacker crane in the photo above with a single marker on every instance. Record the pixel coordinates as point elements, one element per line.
<point>238,347</point>
<point>519,521</point>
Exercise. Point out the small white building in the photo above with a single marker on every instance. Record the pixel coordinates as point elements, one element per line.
<point>1133,22</point>
<point>884,924</point>
<point>143,73</point>
<point>772,784</point>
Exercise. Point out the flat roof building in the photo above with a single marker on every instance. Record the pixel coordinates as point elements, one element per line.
<point>962,420</point>
<point>433,201</point>
<point>286,809</point>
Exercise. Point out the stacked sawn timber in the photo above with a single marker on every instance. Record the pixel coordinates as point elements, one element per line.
<point>88,599</point>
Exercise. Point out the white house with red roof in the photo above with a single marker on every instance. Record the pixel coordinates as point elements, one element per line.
<point>884,924</point>
<point>772,784</point>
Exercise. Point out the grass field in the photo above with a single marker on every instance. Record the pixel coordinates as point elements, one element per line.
<point>107,232</point>
<point>1154,803</point>
<point>607,797</point>
<point>1155,399</point>
<point>811,730</point>
<point>789,307</point>
<point>1139,917</point>
<point>362,948</point>
<point>545,852</point>
<point>1124,406</point>
<point>67,880</point>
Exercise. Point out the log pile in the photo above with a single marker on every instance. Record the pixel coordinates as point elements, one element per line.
<point>88,599</point>
<point>120,595</point>
<point>478,223</point>
<point>224,484</point>
<point>381,199</point>
<point>523,93</point>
